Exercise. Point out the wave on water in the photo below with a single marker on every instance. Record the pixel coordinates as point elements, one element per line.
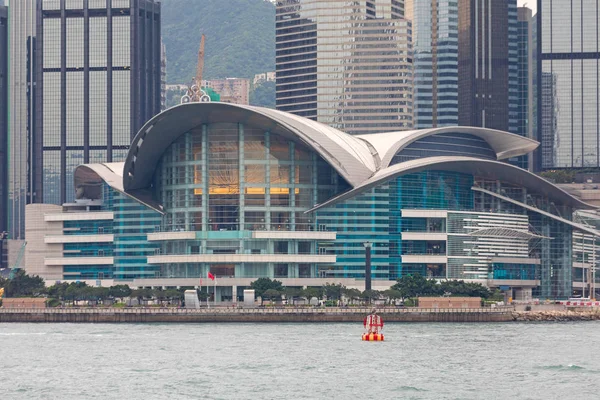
<point>409,389</point>
<point>22,333</point>
<point>568,367</point>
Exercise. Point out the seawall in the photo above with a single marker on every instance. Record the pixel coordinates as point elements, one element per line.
<point>172,315</point>
<point>576,314</point>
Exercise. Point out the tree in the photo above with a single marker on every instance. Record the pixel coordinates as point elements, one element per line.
<point>352,294</point>
<point>261,285</point>
<point>119,291</point>
<point>75,291</point>
<point>311,292</point>
<point>141,294</point>
<point>272,294</point>
<point>392,295</point>
<point>415,286</point>
<point>333,292</point>
<point>292,293</point>
<point>174,295</point>
<point>370,295</point>
<point>464,289</point>
<point>23,285</point>
<point>263,95</point>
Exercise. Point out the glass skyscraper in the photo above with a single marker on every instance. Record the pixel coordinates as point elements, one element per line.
<point>487,64</point>
<point>522,108</point>
<point>21,101</point>
<point>3,118</point>
<point>98,70</point>
<point>435,46</point>
<point>568,80</point>
<point>348,65</point>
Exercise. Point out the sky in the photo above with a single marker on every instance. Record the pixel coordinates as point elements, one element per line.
<point>530,3</point>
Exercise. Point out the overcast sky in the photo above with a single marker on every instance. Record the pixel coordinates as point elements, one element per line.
<point>530,3</point>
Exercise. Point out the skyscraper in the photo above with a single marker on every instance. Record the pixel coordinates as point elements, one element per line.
<point>99,80</point>
<point>20,102</point>
<point>435,45</point>
<point>3,119</point>
<point>523,105</point>
<point>568,80</point>
<point>348,65</point>
<point>484,56</point>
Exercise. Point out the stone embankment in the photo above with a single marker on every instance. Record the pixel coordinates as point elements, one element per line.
<point>213,315</point>
<point>558,315</point>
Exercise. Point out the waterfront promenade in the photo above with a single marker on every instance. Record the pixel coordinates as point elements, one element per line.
<point>275,314</point>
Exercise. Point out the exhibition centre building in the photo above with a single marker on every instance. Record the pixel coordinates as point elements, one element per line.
<point>246,192</point>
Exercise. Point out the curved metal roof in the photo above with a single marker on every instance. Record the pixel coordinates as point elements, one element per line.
<point>349,156</point>
<point>89,177</point>
<point>505,144</point>
<point>469,165</point>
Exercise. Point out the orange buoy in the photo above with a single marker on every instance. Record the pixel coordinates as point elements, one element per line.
<point>372,337</point>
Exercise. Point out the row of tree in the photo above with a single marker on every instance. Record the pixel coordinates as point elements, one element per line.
<point>407,287</point>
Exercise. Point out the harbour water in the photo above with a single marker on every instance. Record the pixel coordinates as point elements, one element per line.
<point>300,361</point>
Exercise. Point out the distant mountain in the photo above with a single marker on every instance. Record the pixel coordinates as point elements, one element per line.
<point>240,38</point>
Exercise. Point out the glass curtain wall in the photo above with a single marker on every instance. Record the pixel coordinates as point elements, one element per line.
<point>227,180</point>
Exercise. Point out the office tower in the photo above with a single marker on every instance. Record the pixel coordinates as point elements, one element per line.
<point>484,55</point>
<point>163,76</point>
<point>99,80</point>
<point>21,102</point>
<point>348,65</point>
<point>523,105</point>
<point>3,120</point>
<point>568,94</point>
<point>435,46</point>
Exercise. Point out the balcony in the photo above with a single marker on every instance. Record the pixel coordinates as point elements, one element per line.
<point>241,258</point>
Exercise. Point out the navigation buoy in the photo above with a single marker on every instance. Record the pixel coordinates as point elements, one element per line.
<point>372,337</point>
<point>373,323</point>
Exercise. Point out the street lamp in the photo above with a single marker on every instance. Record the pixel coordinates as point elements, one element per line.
<point>367,265</point>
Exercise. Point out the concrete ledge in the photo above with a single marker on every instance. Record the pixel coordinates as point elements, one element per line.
<point>134,315</point>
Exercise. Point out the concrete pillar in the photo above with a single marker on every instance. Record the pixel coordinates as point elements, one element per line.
<point>234,294</point>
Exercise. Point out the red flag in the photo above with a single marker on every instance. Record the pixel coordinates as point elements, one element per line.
<point>211,276</point>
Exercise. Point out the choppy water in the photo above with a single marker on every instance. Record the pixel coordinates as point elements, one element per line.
<point>299,361</point>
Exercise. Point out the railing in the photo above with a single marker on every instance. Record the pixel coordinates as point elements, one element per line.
<point>251,310</point>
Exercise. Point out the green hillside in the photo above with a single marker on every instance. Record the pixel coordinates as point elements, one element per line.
<point>240,37</point>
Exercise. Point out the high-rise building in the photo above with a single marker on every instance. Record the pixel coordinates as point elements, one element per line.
<point>3,119</point>
<point>348,65</point>
<point>523,106</point>
<point>568,81</point>
<point>486,61</point>
<point>163,76</point>
<point>435,46</point>
<point>20,102</point>
<point>98,70</point>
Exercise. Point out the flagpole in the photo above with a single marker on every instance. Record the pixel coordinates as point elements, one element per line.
<point>207,296</point>
<point>215,291</point>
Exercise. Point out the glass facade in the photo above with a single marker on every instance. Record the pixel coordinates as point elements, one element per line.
<point>435,38</point>
<point>378,216</point>
<point>521,113</point>
<point>22,29</point>
<point>242,198</point>
<point>487,57</point>
<point>568,62</point>
<point>348,65</point>
<point>100,72</point>
<point>3,119</point>
<point>226,180</point>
